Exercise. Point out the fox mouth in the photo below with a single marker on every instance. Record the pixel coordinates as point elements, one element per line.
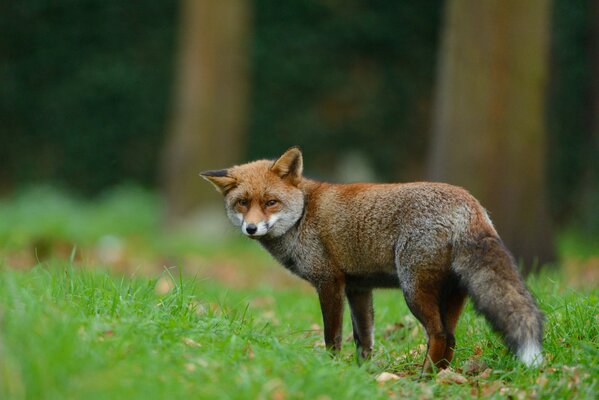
<point>255,231</point>
<point>255,235</point>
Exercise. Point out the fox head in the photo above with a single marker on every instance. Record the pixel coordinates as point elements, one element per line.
<point>263,197</point>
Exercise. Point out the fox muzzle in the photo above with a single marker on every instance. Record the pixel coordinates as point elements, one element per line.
<point>254,229</point>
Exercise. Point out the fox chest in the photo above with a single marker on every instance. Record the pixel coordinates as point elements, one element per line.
<point>288,256</point>
<point>313,262</point>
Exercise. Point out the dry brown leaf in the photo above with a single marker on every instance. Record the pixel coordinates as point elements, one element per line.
<point>262,301</point>
<point>386,376</point>
<point>249,351</point>
<point>474,366</point>
<point>392,328</point>
<point>279,394</point>
<point>426,392</point>
<point>201,362</point>
<point>198,308</point>
<point>485,374</point>
<point>190,367</point>
<point>163,286</point>
<point>574,374</point>
<point>478,351</point>
<point>490,388</point>
<point>215,308</point>
<point>447,376</point>
<point>276,389</point>
<point>513,393</point>
<point>415,332</point>
<point>190,342</point>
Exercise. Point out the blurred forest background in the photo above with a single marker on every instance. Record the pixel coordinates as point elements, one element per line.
<point>501,97</point>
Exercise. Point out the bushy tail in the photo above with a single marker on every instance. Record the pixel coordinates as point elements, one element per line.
<point>489,274</point>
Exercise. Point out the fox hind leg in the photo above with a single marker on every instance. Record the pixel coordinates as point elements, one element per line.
<point>435,297</point>
<point>423,302</point>
<point>451,305</point>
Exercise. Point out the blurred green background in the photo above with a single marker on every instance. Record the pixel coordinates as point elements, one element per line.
<point>99,94</point>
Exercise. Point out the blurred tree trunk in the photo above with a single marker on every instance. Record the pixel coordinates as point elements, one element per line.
<point>488,127</point>
<point>589,193</point>
<point>208,121</point>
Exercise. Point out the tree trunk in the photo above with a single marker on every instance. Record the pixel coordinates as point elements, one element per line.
<point>588,202</point>
<point>208,120</point>
<point>488,127</point>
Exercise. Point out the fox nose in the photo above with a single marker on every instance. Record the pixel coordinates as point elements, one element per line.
<point>251,229</point>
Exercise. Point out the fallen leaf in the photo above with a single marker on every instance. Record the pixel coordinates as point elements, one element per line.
<point>447,376</point>
<point>249,351</point>
<point>415,332</point>
<point>490,389</point>
<point>542,380</point>
<point>190,367</point>
<point>392,328</point>
<point>262,301</point>
<point>386,376</point>
<point>215,309</point>
<point>279,394</point>
<point>198,308</point>
<point>573,373</point>
<point>276,389</point>
<point>190,342</point>
<point>513,393</point>
<point>426,392</point>
<point>474,366</point>
<point>485,374</point>
<point>163,286</point>
<point>478,351</point>
<point>201,362</point>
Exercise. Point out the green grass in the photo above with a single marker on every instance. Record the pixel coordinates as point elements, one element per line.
<point>75,324</point>
<point>76,333</point>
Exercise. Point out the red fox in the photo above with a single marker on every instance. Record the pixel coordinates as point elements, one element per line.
<point>432,240</point>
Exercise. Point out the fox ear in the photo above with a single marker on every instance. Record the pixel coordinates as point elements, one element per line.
<point>290,165</point>
<point>220,179</point>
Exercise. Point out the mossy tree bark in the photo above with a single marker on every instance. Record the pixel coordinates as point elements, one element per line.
<point>488,126</point>
<point>208,119</point>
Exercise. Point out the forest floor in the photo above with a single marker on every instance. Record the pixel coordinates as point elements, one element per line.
<point>95,302</point>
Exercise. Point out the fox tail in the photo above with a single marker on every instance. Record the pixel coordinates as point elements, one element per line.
<point>489,274</point>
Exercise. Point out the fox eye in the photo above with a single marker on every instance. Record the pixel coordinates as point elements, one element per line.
<point>271,203</point>
<point>243,202</point>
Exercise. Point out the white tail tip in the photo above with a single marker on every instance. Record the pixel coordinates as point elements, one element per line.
<point>530,354</point>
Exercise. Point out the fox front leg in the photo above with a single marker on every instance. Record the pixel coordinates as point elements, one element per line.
<point>362,317</point>
<point>331,295</point>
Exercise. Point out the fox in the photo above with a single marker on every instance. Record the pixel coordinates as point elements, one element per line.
<point>434,241</point>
